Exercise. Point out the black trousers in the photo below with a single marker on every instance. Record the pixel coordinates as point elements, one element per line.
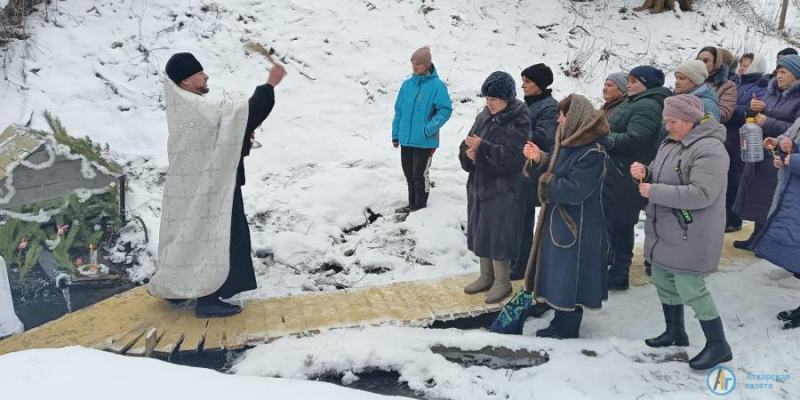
<point>241,274</point>
<point>620,254</point>
<point>734,176</point>
<point>519,264</point>
<point>416,163</point>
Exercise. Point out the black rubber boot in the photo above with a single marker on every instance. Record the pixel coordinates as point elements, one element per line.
<point>421,199</point>
<point>747,244</point>
<point>213,307</point>
<point>619,276</point>
<point>675,335</point>
<point>733,223</point>
<point>411,200</point>
<point>565,325</point>
<point>789,315</point>
<point>717,349</point>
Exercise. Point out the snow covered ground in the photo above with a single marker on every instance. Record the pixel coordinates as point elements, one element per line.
<point>327,158</point>
<point>77,373</point>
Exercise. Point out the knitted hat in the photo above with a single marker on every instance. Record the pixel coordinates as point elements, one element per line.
<point>695,70</point>
<point>684,107</point>
<point>651,77</point>
<point>620,79</point>
<point>500,85</point>
<point>792,63</point>
<point>181,66</point>
<point>787,51</point>
<point>422,56</point>
<point>540,74</point>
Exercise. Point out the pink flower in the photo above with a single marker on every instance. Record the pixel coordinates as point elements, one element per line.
<point>23,244</point>
<point>62,229</point>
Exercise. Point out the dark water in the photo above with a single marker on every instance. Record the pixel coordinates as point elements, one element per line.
<point>43,309</point>
<point>381,382</point>
<point>37,301</point>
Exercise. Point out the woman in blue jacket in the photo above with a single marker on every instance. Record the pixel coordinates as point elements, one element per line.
<point>778,244</point>
<point>422,108</point>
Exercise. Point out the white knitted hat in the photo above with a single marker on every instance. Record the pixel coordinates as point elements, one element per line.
<point>695,70</point>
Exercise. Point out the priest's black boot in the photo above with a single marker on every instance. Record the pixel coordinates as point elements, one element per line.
<point>717,349</point>
<point>675,335</point>
<point>213,307</point>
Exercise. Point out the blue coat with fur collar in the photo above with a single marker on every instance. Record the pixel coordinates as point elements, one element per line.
<point>569,268</point>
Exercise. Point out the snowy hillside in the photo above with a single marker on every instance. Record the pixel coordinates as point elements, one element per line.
<point>327,157</point>
<point>327,168</point>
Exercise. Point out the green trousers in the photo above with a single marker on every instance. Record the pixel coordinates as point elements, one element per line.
<point>675,288</point>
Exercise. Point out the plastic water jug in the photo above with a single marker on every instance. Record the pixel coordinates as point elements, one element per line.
<point>751,137</point>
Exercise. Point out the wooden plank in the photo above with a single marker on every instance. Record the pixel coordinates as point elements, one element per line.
<point>284,318</point>
<point>321,311</point>
<point>173,320</point>
<point>121,344</point>
<point>384,303</point>
<point>137,348</point>
<point>145,345</point>
<point>152,339</point>
<point>405,294</point>
<point>236,329</point>
<point>215,335</point>
<point>358,311</point>
<point>255,323</point>
<point>446,299</point>
<point>194,331</point>
<point>169,342</point>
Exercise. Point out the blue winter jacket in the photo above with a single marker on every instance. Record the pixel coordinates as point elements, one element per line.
<point>779,242</point>
<point>422,108</point>
<point>709,98</point>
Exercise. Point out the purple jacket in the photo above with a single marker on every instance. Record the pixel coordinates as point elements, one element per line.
<point>783,108</point>
<point>749,84</point>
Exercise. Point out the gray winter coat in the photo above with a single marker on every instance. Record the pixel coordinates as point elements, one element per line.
<point>686,212</point>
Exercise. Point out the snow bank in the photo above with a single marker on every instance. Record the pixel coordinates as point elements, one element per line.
<point>79,373</point>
